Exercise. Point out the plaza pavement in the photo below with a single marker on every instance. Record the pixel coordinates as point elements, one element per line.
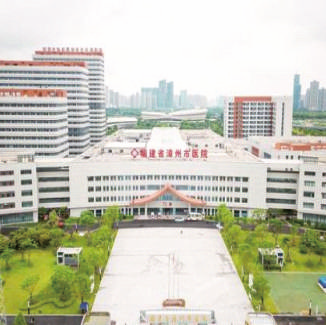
<point>138,275</point>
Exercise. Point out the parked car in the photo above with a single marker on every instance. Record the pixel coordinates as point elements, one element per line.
<point>195,216</point>
<point>179,219</point>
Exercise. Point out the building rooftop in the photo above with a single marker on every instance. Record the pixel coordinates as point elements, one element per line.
<point>166,138</point>
<point>70,51</point>
<point>70,250</point>
<point>40,63</point>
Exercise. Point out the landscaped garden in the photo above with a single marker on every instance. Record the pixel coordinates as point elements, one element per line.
<point>30,274</point>
<point>269,285</point>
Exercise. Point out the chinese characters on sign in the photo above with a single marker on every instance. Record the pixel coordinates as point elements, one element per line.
<point>170,153</point>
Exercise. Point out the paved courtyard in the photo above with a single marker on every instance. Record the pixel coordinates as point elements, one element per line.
<point>148,265</point>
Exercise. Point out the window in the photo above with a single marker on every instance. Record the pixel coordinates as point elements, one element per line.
<point>6,172</point>
<point>230,179</point>
<point>245,189</point>
<point>98,178</point>
<point>25,172</point>
<point>98,199</point>
<point>308,194</point>
<point>98,188</point>
<point>26,204</point>
<point>281,201</point>
<point>244,200</point>
<point>281,190</point>
<point>308,205</point>
<point>90,178</point>
<point>237,189</point>
<point>281,180</point>
<point>26,181</point>
<point>27,193</point>
<point>309,173</point>
<point>7,183</point>
<point>245,179</point>
<point>238,179</point>
<point>90,189</point>
<point>309,183</point>
<point>4,206</point>
<point>90,199</point>
<point>237,199</point>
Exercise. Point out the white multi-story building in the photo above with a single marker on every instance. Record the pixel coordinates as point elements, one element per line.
<point>172,172</point>
<point>70,76</point>
<point>34,119</point>
<point>94,59</point>
<point>18,188</point>
<point>262,116</point>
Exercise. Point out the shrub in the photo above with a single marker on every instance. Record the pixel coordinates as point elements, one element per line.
<point>303,249</point>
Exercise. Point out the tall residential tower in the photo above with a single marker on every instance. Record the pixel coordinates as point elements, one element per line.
<point>296,92</point>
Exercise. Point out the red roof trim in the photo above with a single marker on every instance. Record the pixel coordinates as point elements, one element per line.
<point>16,92</point>
<point>168,188</point>
<point>41,63</point>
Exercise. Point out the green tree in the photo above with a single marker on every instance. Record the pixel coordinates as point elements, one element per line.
<point>26,245</point>
<point>261,287</point>
<point>259,214</point>
<point>56,235</point>
<point>62,282</point>
<point>260,233</point>
<point>29,284</point>
<point>286,242</point>
<point>42,212</point>
<point>233,236</point>
<point>246,253</point>
<point>4,243</point>
<point>87,218</point>
<point>53,218</point>
<point>111,215</point>
<point>320,250</point>
<point>276,227</point>
<point>6,256</point>
<point>20,319</point>
<point>225,216</point>
<point>93,259</point>
<point>82,285</point>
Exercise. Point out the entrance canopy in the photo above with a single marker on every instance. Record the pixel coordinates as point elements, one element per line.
<point>168,188</point>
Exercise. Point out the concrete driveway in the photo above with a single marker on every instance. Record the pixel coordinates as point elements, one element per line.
<point>148,265</point>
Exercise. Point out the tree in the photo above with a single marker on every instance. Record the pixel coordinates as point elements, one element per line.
<point>276,227</point>
<point>102,237</point>
<point>56,235</point>
<point>111,215</point>
<point>225,216</point>
<point>260,233</point>
<point>286,241</point>
<point>233,236</point>
<point>87,219</point>
<point>246,256</point>
<point>29,284</point>
<point>93,259</point>
<point>26,245</point>
<point>62,282</point>
<point>82,285</point>
<point>261,287</point>
<point>42,213</point>
<point>53,218</point>
<point>20,319</point>
<point>6,255</point>
<point>4,243</point>
<point>320,250</point>
<point>259,214</point>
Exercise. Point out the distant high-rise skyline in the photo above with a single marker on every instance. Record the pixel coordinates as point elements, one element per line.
<point>296,92</point>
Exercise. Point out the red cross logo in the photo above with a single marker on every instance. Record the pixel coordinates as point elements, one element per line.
<point>134,152</point>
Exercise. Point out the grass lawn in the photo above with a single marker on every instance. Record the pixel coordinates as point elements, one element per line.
<point>43,263</point>
<point>291,291</point>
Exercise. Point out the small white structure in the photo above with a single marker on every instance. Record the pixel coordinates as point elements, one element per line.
<point>276,253</point>
<point>69,256</point>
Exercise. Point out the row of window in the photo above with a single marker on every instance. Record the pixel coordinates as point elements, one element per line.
<point>153,187</point>
<point>281,180</point>
<point>129,198</point>
<point>167,177</point>
<point>281,190</point>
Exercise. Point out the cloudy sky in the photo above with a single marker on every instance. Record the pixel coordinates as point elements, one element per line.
<point>212,47</point>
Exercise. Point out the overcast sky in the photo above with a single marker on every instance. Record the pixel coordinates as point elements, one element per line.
<point>211,47</point>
